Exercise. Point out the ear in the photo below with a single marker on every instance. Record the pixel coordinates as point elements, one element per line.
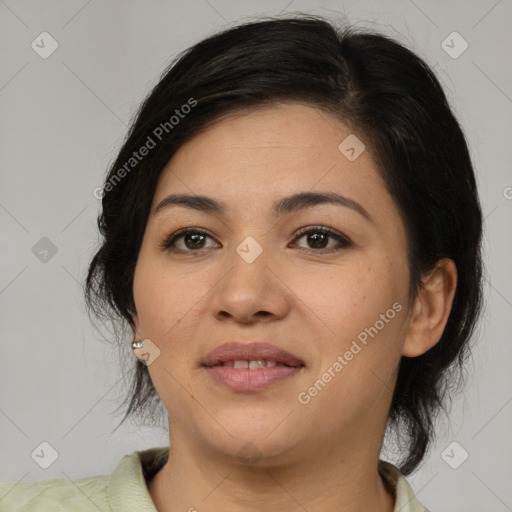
<point>431,308</point>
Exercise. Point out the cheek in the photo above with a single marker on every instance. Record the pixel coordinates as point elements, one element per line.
<point>164,300</point>
<point>357,361</point>
<point>362,313</point>
<point>350,297</point>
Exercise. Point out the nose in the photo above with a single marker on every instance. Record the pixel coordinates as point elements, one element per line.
<point>251,290</point>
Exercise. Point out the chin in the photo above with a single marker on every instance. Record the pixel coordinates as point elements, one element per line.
<point>251,443</point>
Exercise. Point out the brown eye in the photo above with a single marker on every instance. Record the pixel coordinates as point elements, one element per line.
<point>186,240</point>
<point>317,238</point>
<point>193,240</point>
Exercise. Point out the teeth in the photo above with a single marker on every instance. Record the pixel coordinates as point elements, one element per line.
<point>259,363</point>
<point>256,363</point>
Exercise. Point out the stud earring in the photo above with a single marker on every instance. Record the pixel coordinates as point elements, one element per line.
<point>136,344</point>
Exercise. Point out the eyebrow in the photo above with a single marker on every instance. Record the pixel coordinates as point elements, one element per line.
<point>281,207</point>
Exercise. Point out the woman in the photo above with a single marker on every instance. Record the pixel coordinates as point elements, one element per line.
<point>292,232</point>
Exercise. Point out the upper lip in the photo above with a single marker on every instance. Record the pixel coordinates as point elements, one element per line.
<point>236,351</point>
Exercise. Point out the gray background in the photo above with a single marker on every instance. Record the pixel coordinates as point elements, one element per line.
<point>62,120</point>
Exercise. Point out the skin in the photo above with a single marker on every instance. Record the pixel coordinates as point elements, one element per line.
<point>317,456</point>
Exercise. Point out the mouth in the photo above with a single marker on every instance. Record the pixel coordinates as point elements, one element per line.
<point>256,354</point>
<point>254,364</point>
<point>250,366</point>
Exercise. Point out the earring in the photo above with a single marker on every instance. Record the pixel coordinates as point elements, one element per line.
<point>136,344</point>
<point>136,348</point>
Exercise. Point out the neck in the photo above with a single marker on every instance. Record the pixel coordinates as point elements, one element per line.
<point>315,478</point>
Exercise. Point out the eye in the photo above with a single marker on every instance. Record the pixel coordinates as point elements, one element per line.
<point>318,236</point>
<point>191,240</point>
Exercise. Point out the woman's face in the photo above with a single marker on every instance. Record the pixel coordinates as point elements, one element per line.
<point>250,276</point>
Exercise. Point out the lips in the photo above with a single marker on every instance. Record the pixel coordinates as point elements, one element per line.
<point>250,367</point>
<point>265,353</point>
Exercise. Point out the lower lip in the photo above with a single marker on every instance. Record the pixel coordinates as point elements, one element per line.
<point>245,379</point>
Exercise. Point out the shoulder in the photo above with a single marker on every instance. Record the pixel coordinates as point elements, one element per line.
<point>56,494</point>
<point>405,500</point>
<point>124,489</point>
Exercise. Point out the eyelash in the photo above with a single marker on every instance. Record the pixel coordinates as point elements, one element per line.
<point>344,242</point>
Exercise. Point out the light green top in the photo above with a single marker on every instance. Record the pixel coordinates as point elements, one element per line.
<point>125,489</point>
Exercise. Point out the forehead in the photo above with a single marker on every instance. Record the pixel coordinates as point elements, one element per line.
<point>256,156</point>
